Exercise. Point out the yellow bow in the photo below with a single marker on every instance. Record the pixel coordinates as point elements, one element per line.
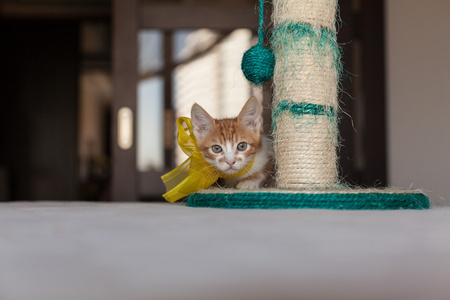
<point>195,173</point>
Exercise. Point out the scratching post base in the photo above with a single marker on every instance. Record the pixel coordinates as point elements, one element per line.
<point>315,199</point>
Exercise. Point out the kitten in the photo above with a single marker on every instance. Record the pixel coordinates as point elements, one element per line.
<point>230,144</point>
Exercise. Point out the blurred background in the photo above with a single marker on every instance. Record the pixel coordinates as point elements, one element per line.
<point>90,89</point>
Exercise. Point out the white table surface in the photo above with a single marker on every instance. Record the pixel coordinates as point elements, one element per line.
<point>83,250</point>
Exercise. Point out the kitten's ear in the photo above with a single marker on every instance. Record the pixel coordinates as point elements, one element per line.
<point>201,121</point>
<point>250,115</point>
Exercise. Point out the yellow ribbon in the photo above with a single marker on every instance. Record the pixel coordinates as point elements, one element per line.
<point>195,173</point>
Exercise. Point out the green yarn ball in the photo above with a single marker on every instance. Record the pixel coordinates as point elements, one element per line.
<point>257,64</point>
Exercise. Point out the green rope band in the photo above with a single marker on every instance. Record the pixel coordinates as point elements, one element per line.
<point>300,109</point>
<point>285,39</point>
<point>356,201</point>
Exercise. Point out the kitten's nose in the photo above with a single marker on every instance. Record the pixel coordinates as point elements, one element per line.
<point>231,163</point>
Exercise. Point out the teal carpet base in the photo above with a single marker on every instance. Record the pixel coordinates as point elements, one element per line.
<point>281,199</point>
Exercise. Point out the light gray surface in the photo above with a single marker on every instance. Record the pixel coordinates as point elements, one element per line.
<point>54,250</point>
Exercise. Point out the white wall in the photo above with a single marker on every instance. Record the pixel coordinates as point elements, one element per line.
<point>418,74</point>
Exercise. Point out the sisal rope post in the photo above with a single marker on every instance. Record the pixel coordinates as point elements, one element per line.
<point>305,103</point>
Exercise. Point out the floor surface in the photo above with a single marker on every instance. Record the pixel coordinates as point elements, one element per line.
<point>83,250</point>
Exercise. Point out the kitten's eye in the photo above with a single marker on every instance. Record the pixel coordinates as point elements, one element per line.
<point>216,149</point>
<point>242,146</point>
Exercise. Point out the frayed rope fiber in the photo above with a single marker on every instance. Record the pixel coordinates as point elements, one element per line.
<point>336,201</point>
<point>320,41</point>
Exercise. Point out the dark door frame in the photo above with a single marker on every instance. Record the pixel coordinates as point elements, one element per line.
<point>363,159</point>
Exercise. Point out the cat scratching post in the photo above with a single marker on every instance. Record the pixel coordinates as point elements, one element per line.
<point>305,93</point>
<point>305,130</point>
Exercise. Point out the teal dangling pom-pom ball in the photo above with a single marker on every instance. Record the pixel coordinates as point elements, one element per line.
<point>258,61</point>
<point>257,64</point>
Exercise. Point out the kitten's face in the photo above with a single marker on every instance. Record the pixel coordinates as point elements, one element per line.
<point>228,144</point>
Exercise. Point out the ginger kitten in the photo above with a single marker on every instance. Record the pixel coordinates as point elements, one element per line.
<point>231,144</point>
